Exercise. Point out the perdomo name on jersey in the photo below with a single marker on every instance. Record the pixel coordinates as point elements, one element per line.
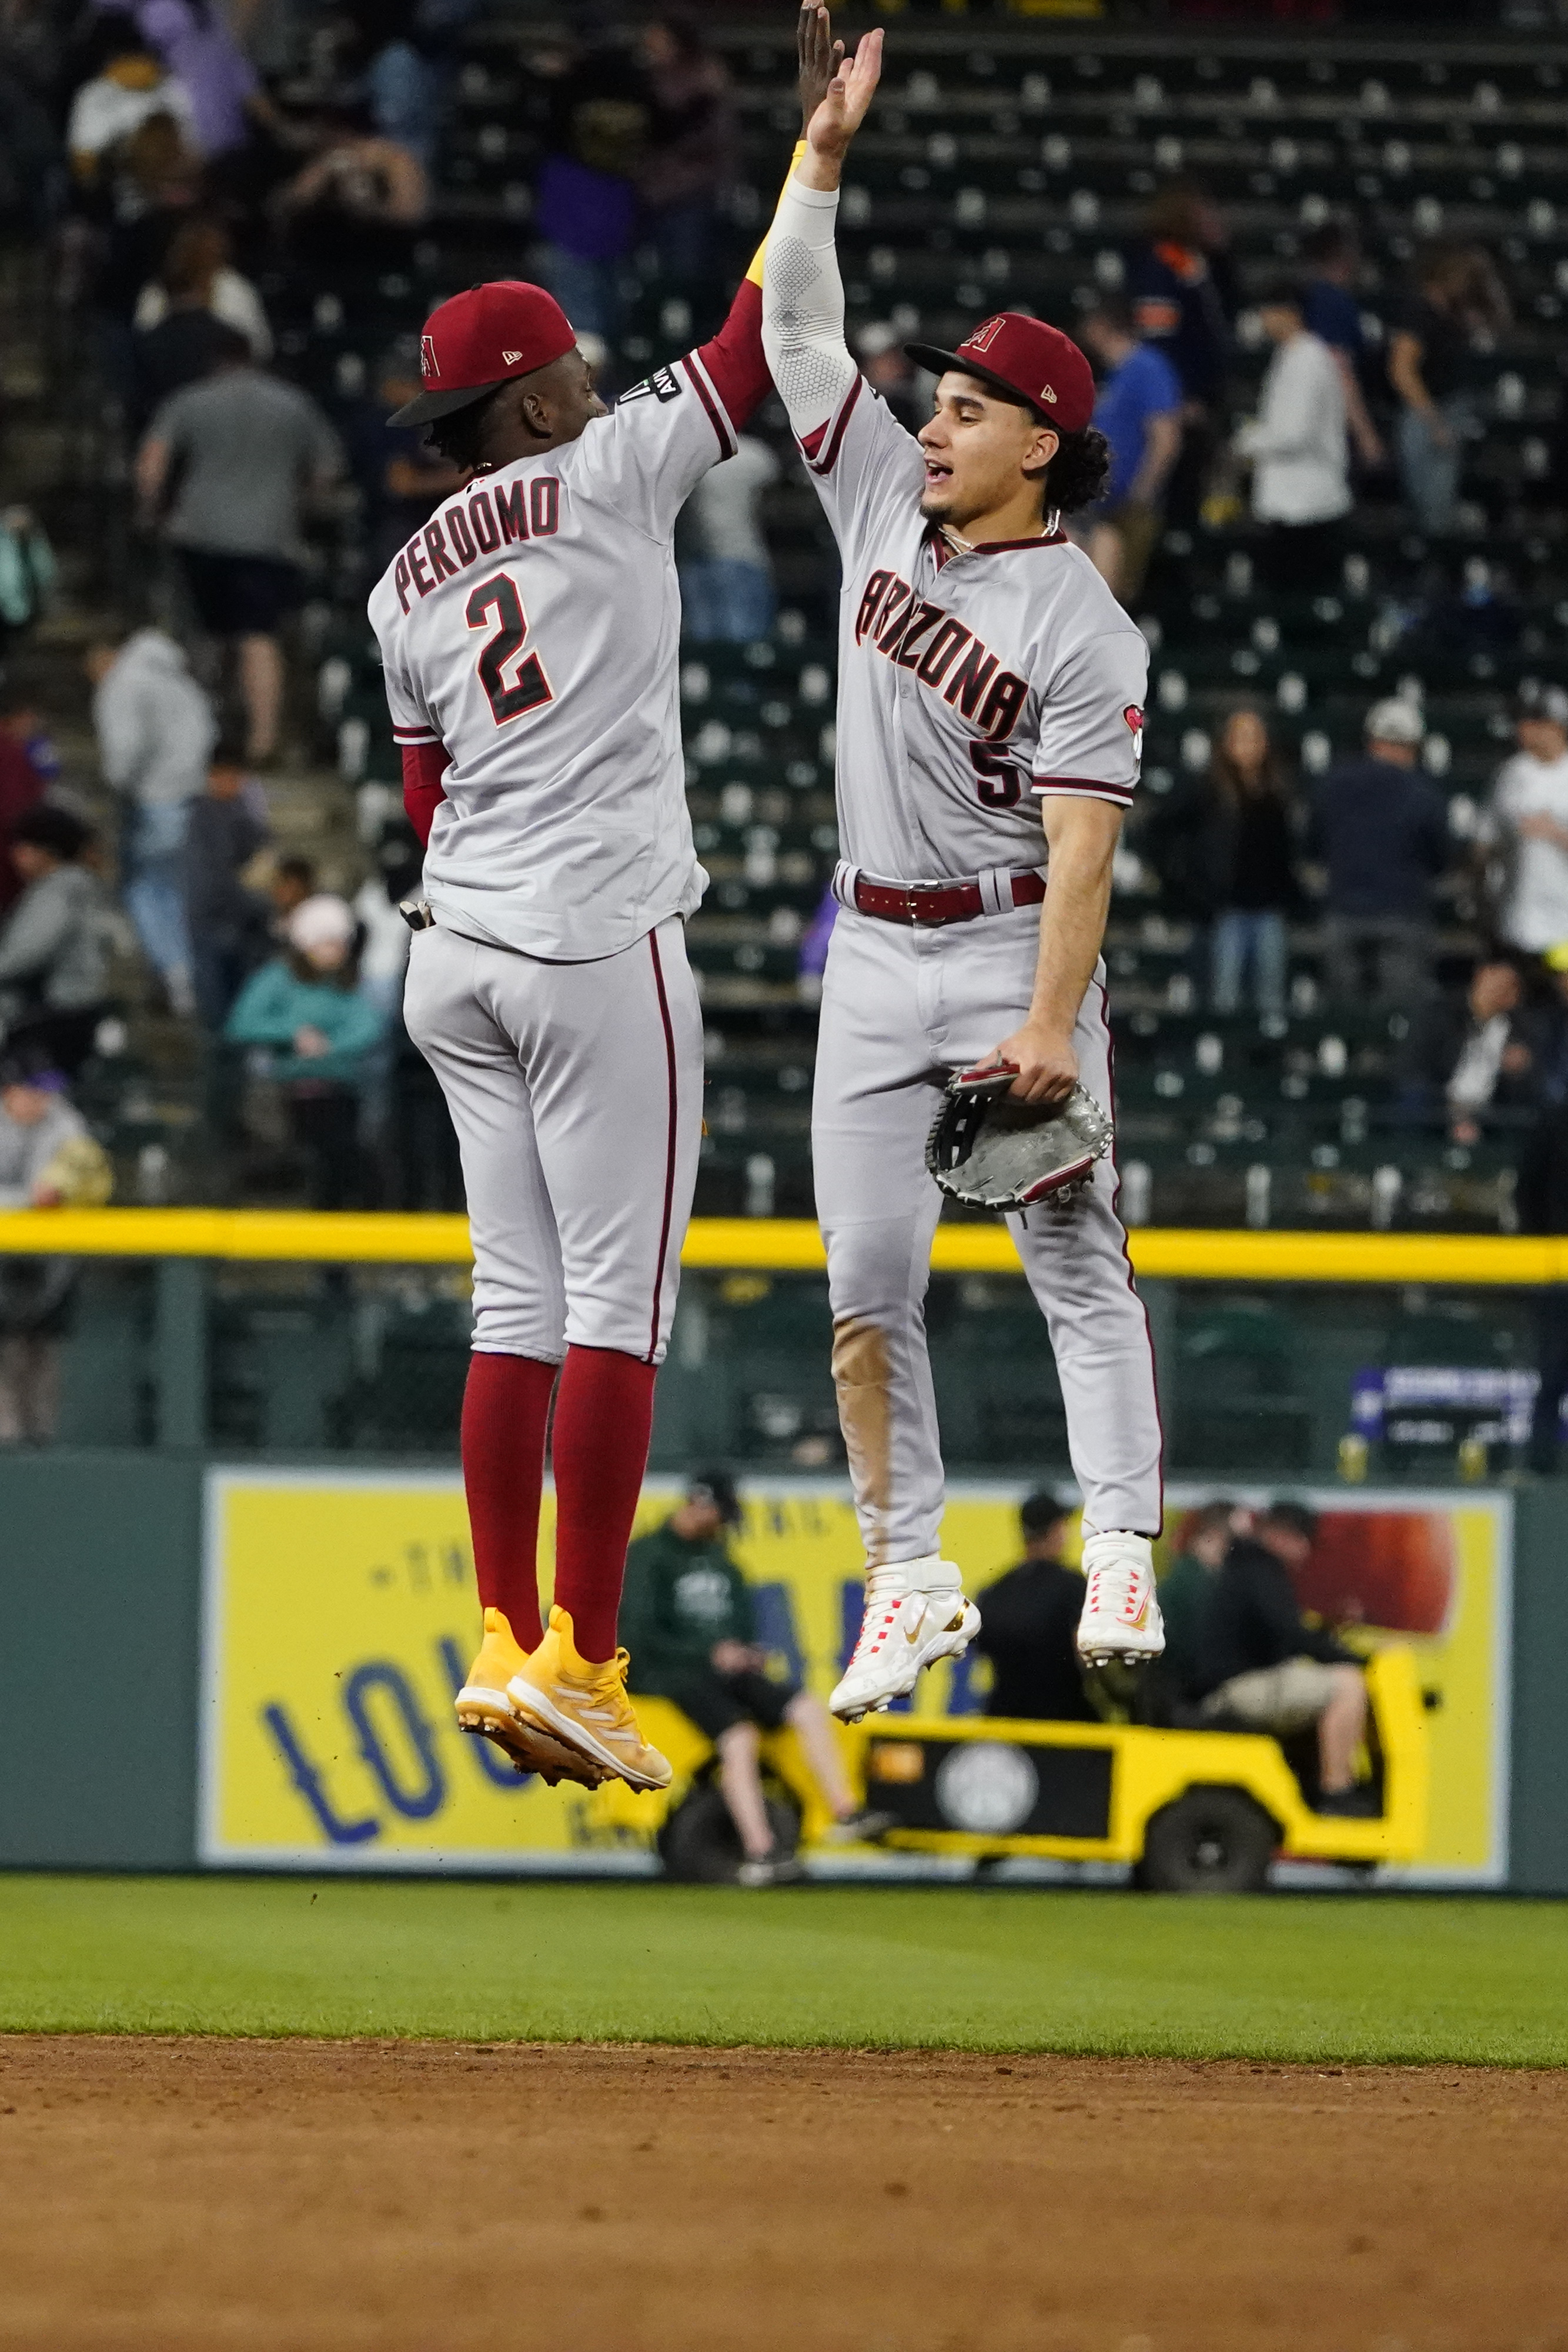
<point>488,518</point>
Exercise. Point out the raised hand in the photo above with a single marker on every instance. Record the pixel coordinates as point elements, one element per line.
<point>821,56</point>
<point>849,94</point>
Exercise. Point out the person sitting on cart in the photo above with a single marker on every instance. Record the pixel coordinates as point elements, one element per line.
<point>690,1622</point>
<point>1186,1589</point>
<point>1263,1668</point>
<point>1028,1619</point>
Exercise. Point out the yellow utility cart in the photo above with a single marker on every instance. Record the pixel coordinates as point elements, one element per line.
<point>1191,1811</point>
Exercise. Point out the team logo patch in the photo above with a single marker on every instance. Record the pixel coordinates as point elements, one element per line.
<point>1135,718</point>
<point>429,365</point>
<point>984,336</point>
<point>664,385</point>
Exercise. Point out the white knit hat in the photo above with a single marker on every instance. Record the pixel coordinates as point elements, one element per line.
<point>323,921</point>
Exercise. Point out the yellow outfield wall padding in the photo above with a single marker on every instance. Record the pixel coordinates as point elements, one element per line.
<point>783,1245</point>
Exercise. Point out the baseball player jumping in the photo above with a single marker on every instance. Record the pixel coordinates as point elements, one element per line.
<point>529,636</point>
<point>985,671</point>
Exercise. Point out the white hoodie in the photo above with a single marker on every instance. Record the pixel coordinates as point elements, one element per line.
<point>1297,444</point>
<point>156,725</point>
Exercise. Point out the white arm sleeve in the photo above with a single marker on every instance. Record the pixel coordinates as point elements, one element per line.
<point>803,308</point>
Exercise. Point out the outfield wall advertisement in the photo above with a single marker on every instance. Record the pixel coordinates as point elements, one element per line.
<point>340,1619</point>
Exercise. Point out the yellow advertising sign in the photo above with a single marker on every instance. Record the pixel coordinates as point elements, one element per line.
<point>340,1619</point>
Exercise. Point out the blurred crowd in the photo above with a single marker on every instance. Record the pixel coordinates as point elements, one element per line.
<point>187,189</point>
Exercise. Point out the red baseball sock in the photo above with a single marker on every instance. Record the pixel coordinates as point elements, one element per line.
<point>603,1420</point>
<point>506,1412</point>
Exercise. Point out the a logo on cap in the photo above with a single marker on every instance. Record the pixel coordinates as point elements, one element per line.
<point>429,364</point>
<point>1048,392</point>
<point>984,336</point>
<point>511,358</point>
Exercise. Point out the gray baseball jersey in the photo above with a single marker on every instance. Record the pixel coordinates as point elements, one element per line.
<point>970,685</point>
<point>533,627</point>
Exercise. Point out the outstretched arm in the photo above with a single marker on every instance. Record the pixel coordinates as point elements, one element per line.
<point>734,359</point>
<point>802,292</point>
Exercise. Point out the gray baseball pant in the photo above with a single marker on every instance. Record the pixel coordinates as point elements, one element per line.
<point>576,1090</point>
<point>901,1009</point>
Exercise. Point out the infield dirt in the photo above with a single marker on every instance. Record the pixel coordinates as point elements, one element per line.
<point>291,2195</point>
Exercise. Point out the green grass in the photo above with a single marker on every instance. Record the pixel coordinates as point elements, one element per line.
<point>1341,1978</point>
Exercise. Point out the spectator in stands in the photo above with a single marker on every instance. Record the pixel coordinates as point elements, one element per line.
<point>196,281</point>
<point>1459,304</point>
<point>1243,843</point>
<point>1472,1055</point>
<point>127,87</point>
<point>690,1622</point>
<point>690,159</point>
<point>194,42</point>
<point>1382,831</point>
<point>28,574</point>
<point>227,920</point>
<point>47,1161</point>
<point>1187,1589</point>
<point>1181,288</point>
<point>398,476</point>
<point>1331,311</point>
<point>1297,447</point>
<point>350,216</point>
<point>585,200</point>
<point>52,959</point>
<point>406,50</point>
<point>21,785</point>
<point>306,1010</point>
<point>234,460</point>
<point>727,575</point>
<point>293,881</point>
<point>1263,1668</point>
<point>155,731</point>
<point>152,187</point>
<point>1139,411</point>
<point>1029,1618</point>
<point>888,369</point>
<point>1525,826</point>
<point>22,722</point>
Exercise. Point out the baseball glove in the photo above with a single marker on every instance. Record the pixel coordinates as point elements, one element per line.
<point>994,1154</point>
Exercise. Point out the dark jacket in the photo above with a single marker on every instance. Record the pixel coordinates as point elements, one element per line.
<point>221,839</point>
<point>681,1599</point>
<point>1253,1620</point>
<point>1211,854</point>
<point>1383,833</point>
<point>1028,1618</point>
<point>1439,1033</point>
<point>1186,1589</point>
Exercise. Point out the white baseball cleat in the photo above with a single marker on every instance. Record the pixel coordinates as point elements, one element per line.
<point>914,1612</point>
<point>1121,1624</point>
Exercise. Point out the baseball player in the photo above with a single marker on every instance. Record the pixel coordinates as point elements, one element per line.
<point>989,683</point>
<point>529,636</point>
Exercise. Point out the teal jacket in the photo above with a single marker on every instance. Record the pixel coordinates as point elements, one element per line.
<point>274,1003</point>
<point>681,1599</point>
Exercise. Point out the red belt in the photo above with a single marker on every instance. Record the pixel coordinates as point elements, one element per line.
<point>937,902</point>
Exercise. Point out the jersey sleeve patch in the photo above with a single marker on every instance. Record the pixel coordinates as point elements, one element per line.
<point>664,385</point>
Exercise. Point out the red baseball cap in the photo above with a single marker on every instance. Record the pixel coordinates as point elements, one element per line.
<point>482,339</point>
<point>1035,364</point>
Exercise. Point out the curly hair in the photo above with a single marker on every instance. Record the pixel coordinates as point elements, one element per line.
<point>1079,472</point>
<point>459,439</point>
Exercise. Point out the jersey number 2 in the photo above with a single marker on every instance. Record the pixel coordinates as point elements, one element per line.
<point>529,688</point>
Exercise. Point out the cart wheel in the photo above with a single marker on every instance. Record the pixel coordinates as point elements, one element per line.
<point>699,1844</point>
<point>1209,1842</point>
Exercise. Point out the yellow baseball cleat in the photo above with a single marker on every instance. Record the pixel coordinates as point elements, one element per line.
<point>586,1708</point>
<point>483,1708</point>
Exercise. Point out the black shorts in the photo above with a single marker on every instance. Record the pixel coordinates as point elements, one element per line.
<point>716,1703</point>
<point>240,595</point>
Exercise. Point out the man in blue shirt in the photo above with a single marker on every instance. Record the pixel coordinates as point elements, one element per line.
<point>1139,411</point>
<point>1331,311</point>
